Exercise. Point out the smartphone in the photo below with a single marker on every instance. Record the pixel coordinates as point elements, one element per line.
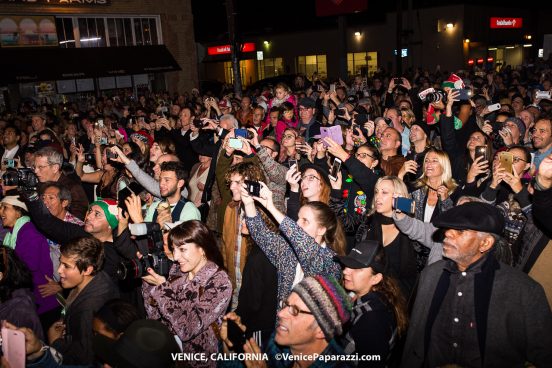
<point>464,94</point>
<point>235,143</point>
<point>236,336</point>
<point>89,157</point>
<point>253,187</point>
<point>74,141</point>
<point>494,107</point>
<point>481,151</point>
<point>532,158</point>
<point>10,163</point>
<point>103,141</point>
<point>405,205</point>
<point>506,161</point>
<point>243,133</point>
<point>332,87</point>
<point>341,111</point>
<point>110,155</point>
<point>542,94</point>
<point>291,162</point>
<point>398,81</point>
<point>122,195</point>
<point>336,166</point>
<point>13,347</point>
<point>100,123</point>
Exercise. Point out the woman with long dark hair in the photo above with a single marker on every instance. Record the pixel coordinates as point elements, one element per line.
<point>17,304</point>
<point>379,315</point>
<point>305,248</point>
<point>193,298</point>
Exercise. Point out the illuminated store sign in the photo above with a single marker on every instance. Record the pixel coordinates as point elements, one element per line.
<point>506,22</point>
<point>225,49</point>
<point>58,2</point>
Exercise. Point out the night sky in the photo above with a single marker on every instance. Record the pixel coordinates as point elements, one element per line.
<point>257,17</point>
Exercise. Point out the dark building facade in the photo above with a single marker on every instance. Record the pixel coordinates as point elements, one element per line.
<point>74,47</point>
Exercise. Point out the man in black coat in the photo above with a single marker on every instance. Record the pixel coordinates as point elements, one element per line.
<point>472,310</point>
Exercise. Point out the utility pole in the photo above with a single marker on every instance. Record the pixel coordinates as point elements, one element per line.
<point>235,48</point>
<point>398,58</point>
<point>342,46</point>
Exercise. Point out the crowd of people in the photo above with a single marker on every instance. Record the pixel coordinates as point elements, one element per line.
<point>392,221</point>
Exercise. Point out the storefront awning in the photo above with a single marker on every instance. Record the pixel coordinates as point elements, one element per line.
<point>21,65</point>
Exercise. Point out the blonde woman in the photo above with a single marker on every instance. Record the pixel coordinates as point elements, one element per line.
<point>379,225</point>
<point>435,187</point>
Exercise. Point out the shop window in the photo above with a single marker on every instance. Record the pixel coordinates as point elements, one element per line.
<point>66,37</point>
<point>229,75</point>
<point>120,31</point>
<point>270,67</point>
<point>362,63</point>
<point>92,32</point>
<point>310,64</point>
<point>145,30</point>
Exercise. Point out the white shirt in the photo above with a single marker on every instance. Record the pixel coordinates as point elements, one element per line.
<point>428,212</point>
<point>10,154</point>
<point>299,274</point>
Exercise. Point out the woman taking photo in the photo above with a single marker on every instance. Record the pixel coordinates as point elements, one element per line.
<point>379,315</point>
<point>194,297</point>
<point>305,248</point>
<point>315,187</point>
<point>378,225</point>
<point>434,192</point>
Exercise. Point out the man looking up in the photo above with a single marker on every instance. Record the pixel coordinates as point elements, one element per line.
<point>308,127</point>
<point>309,320</point>
<point>463,308</point>
<point>47,167</point>
<point>391,160</point>
<point>395,116</point>
<point>172,179</point>
<point>542,140</point>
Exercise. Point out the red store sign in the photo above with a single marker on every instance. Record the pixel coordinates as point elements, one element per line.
<point>225,49</point>
<point>506,22</point>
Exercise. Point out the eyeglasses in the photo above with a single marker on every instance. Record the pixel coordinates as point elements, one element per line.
<point>309,178</point>
<point>518,159</point>
<point>363,155</point>
<point>269,148</point>
<point>292,309</point>
<point>40,168</point>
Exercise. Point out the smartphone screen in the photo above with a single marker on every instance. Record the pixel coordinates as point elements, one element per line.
<point>506,161</point>
<point>13,347</point>
<point>332,87</point>
<point>335,169</point>
<point>235,143</point>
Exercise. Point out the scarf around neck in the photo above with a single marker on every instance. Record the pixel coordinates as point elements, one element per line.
<point>11,237</point>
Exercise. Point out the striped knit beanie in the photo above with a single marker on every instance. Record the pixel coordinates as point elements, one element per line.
<point>109,207</point>
<point>327,301</point>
